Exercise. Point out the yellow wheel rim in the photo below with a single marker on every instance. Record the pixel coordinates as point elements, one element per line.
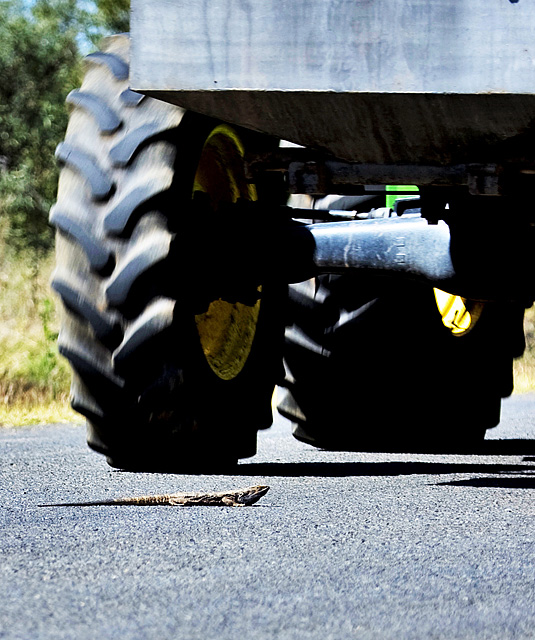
<point>226,330</point>
<point>459,315</point>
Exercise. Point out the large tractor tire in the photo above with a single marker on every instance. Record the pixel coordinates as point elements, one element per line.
<point>167,374</point>
<point>370,365</point>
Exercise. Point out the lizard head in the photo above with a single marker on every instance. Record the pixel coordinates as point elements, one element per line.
<point>252,494</point>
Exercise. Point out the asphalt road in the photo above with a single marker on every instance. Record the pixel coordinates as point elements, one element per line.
<point>345,545</point>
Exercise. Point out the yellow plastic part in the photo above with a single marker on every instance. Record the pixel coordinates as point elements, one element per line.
<point>459,315</point>
<point>226,330</point>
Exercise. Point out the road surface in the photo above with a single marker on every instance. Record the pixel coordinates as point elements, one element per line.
<point>345,545</point>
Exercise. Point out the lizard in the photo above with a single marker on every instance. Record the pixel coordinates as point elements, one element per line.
<point>233,498</point>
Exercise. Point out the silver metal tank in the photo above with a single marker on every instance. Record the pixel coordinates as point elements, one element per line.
<point>421,82</point>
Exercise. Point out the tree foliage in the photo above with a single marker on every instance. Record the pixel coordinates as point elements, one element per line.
<point>40,65</point>
<point>40,43</point>
<point>114,14</point>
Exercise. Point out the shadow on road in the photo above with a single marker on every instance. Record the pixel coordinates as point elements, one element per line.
<point>343,469</point>
<point>396,468</point>
<point>522,482</point>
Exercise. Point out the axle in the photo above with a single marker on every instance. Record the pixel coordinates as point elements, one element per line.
<point>411,247</point>
<point>242,247</point>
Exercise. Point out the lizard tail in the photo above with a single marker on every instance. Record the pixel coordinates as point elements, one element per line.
<point>97,503</point>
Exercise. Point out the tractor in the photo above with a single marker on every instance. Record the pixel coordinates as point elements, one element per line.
<point>327,197</point>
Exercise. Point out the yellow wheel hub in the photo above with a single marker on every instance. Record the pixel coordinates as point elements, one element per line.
<point>459,315</point>
<point>226,330</point>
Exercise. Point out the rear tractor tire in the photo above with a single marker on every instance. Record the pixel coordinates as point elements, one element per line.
<point>168,375</point>
<point>370,365</point>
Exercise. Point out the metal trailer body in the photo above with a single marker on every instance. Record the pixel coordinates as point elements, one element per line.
<point>423,83</point>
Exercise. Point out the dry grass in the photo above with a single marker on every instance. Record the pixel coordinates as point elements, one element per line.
<point>34,379</point>
<point>22,413</point>
<point>524,368</point>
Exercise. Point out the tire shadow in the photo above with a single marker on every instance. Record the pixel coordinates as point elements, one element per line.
<point>371,469</point>
<point>521,482</point>
<point>525,473</point>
